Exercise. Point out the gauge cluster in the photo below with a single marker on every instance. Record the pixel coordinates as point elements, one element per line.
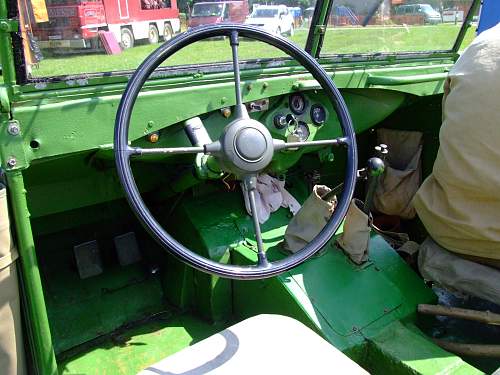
<point>299,117</point>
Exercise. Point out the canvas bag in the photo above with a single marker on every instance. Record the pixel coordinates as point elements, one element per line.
<point>355,237</point>
<point>402,176</point>
<point>310,219</point>
<point>12,359</point>
<point>459,203</point>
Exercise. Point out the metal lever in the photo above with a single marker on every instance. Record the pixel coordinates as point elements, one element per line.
<point>375,168</point>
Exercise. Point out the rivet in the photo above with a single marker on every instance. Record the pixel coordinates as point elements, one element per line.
<point>226,112</point>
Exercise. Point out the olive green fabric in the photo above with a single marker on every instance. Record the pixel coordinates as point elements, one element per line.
<point>12,359</point>
<point>356,233</point>
<point>457,274</point>
<point>459,203</point>
<point>310,220</point>
<point>402,177</point>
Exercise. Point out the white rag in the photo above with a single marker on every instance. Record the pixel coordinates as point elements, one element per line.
<point>271,195</point>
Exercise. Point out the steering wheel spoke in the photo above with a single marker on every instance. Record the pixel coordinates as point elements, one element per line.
<point>211,148</point>
<point>282,145</point>
<point>241,109</point>
<point>249,187</point>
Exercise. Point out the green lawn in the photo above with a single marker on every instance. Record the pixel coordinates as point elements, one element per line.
<point>339,40</point>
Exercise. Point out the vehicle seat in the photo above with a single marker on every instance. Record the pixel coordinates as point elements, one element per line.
<point>458,274</point>
<point>263,344</point>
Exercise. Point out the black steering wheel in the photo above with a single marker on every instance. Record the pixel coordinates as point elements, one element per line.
<point>245,148</point>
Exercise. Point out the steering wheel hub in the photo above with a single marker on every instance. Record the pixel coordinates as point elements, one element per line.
<point>250,144</point>
<point>247,147</point>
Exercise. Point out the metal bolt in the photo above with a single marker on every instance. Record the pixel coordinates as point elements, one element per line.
<point>11,162</point>
<point>153,137</point>
<point>13,128</point>
<point>4,26</point>
<point>226,112</point>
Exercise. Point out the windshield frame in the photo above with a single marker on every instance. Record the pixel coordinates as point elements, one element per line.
<point>313,46</point>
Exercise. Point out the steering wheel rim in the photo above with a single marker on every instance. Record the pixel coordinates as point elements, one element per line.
<point>123,152</point>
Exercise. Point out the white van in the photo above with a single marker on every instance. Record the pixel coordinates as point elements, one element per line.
<point>273,18</point>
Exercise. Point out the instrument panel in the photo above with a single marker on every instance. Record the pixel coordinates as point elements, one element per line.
<point>297,117</point>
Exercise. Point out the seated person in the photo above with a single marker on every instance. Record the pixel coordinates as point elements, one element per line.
<point>459,203</point>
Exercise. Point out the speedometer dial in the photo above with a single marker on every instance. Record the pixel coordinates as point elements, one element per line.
<point>297,103</point>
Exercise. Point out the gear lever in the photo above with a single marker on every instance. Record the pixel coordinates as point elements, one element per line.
<point>374,169</point>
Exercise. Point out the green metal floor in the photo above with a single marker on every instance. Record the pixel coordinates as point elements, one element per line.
<point>129,351</point>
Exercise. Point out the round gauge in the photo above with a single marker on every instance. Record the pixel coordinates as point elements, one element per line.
<point>318,114</point>
<point>297,104</point>
<point>302,131</point>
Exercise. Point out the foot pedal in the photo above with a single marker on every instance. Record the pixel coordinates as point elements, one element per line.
<point>88,259</point>
<point>127,249</point>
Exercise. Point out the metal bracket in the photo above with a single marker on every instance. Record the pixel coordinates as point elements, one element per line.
<point>320,29</point>
<point>9,25</point>
<point>12,146</point>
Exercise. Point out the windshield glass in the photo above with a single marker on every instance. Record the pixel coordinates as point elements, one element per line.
<point>207,10</point>
<point>370,26</point>
<point>265,13</point>
<point>427,8</point>
<point>76,37</point>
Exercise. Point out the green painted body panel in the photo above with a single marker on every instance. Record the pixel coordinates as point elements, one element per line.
<point>64,190</point>
<point>400,349</point>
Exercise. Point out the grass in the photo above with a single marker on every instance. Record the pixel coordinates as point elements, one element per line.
<point>337,40</point>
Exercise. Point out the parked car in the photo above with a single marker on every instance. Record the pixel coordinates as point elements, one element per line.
<point>453,15</point>
<point>210,12</point>
<point>429,14</point>
<point>273,18</point>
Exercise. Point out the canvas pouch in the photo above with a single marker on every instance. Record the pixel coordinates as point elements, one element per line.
<point>402,176</point>
<point>310,219</point>
<point>356,233</point>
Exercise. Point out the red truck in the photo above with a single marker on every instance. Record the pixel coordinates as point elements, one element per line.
<point>216,11</point>
<point>76,24</point>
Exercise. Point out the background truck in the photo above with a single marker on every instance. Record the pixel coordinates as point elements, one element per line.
<point>210,12</point>
<point>76,24</point>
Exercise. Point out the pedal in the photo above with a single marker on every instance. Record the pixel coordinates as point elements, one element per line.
<point>88,259</point>
<point>127,249</point>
